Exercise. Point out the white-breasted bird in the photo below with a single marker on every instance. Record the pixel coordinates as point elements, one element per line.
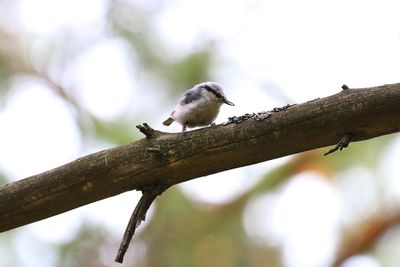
<point>198,106</point>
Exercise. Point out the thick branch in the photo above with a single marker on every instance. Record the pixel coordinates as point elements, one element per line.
<point>365,113</point>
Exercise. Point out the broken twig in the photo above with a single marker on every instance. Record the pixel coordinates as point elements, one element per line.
<point>146,130</point>
<point>343,143</point>
<point>139,214</point>
<point>345,87</point>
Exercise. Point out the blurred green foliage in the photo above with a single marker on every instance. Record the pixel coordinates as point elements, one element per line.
<point>81,250</point>
<point>192,69</point>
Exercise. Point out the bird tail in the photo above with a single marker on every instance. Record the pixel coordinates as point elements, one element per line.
<point>168,121</point>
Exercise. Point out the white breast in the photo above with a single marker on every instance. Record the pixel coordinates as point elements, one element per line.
<point>199,113</point>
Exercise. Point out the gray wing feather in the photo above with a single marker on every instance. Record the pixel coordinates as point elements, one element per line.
<point>190,96</point>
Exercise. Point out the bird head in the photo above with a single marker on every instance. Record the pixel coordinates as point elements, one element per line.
<point>215,89</point>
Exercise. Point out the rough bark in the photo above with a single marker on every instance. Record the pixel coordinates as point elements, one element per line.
<point>168,159</point>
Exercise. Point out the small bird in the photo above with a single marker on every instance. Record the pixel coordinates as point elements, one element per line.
<point>199,106</point>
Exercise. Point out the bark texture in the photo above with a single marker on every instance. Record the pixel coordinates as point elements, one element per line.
<point>168,159</point>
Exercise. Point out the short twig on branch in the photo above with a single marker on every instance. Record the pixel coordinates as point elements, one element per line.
<point>146,130</point>
<point>345,87</point>
<point>139,214</point>
<point>343,143</point>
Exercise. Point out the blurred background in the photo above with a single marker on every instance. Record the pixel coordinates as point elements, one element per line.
<point>78,76</point>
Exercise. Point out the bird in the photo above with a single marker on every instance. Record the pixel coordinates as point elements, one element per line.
<point>198,106</point>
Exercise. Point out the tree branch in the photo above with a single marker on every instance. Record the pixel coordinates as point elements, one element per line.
<point>364,236</point>
<point>175,158</point>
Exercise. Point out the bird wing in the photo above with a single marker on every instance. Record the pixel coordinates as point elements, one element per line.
<point>190,96</point>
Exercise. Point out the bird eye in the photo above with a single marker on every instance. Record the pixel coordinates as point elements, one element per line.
<point>210,89</point>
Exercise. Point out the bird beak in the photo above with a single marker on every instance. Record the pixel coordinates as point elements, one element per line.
<point>226,101</point>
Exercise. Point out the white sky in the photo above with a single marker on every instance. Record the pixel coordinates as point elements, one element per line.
<point>307,48</point>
